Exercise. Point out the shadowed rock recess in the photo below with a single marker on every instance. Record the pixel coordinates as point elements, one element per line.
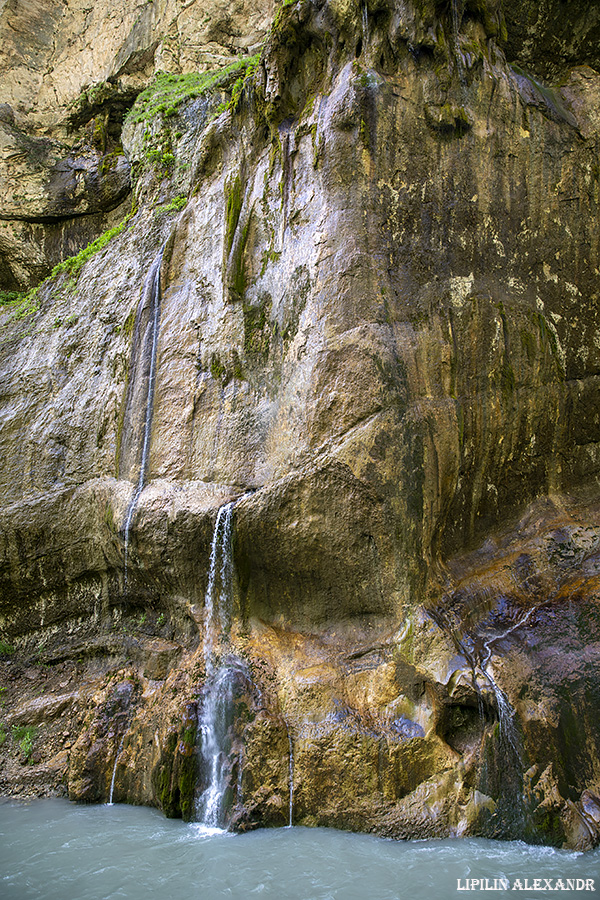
<point>357,293</point>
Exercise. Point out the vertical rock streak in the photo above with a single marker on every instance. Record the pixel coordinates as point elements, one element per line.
<point>153,292</point>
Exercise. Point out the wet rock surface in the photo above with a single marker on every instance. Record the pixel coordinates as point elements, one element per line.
<point>378,332</point>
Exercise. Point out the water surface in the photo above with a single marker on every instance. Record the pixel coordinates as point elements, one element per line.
<point>55,850</point>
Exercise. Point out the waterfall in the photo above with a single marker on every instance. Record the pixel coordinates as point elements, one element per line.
<point>114,772</point>
<point>291,778</point>
<point>216,719</point>
<point>365,25</point>
<point>456,21</point>
<point>215,614</point>
<point>506,713</point>
<point>153,295</point>
<point>215,724</point>
<point>511,802</point>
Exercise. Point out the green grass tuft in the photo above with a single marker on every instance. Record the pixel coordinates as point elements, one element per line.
<point>175,205</point>
<point>167,92</point>
<point>74,264</point>
<point>24,735</point>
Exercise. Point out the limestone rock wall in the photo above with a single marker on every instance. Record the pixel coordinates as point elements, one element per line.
<point>378,331</point>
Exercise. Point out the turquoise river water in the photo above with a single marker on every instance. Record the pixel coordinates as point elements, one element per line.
<point>55,850</point>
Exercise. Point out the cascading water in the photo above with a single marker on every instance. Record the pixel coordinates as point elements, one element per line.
<point>291,778</point>
<point>152,295</point>
<point>215,724</point>
<point>501,774</point>
<point>512,801</point>
<point>114,772</point>
<point>456,21</point>
<point>365,26</point>
<point>506,713</point>
<point>222,684</point>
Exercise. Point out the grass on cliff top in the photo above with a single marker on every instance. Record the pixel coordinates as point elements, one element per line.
<point>26,303</point>
<point>73,264</point>
<point>167,92</point>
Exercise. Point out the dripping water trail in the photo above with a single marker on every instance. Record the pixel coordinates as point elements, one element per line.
<point>154,293</point>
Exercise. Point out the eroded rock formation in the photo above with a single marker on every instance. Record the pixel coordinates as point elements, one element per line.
<point>378,332</point>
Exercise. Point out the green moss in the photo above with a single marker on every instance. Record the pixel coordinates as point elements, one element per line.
<point>256,327</point>
<point>128,324</point>
<point>448,119</point>
<point>238,270</point>
<point>233,207</point>
<point>238,371</point>
<point>7,297</point>
<point>283,5</point>
<point>174,205</point>
<point>6,649</point>
<point>188,775</point>
<point>528,343</point>
<point>217,369</point>
<point>363,132</point>
<point>507,375</point>
<point>268,256</point>
<point>24,304</point>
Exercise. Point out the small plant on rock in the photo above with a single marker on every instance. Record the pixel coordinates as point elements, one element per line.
<point>24,735</point>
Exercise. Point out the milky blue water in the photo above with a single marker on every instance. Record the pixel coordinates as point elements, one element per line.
<point>55,850</point>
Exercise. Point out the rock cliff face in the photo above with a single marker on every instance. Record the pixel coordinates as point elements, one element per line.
<point>358,295</point>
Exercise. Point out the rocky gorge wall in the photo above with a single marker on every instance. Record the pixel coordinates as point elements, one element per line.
<point>378,333</point>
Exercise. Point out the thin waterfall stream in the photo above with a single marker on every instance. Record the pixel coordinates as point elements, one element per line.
<point>152,293</point>
<point>216,720</point>
<point>510,743</point>
<point>506,713</point>
<point>456,23</point>
<point>291,778</point>
<point>114,771</point>
<point>365,26</point>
